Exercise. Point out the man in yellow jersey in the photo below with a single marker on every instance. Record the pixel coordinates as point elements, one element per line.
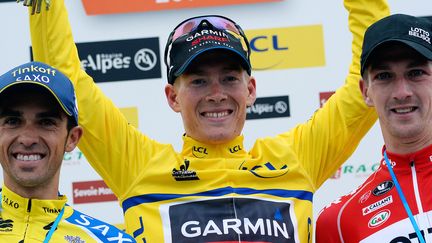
<point>213,190</point>
<point>38,124</point>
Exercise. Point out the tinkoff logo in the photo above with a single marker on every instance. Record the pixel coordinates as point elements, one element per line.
<point>183,174</point>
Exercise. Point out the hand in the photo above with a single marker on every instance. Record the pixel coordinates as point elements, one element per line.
<point>35,4</point>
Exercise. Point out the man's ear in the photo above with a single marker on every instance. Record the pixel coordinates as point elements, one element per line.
<point>252,91</point>
<point>73,138</point>
<point>171,95</point>
<point>365,90</point>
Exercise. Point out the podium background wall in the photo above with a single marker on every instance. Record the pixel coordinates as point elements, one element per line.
<point>313,33</point>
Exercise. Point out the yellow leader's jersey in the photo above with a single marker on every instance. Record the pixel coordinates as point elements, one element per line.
<point>209,193</point>
<point>29,221</point>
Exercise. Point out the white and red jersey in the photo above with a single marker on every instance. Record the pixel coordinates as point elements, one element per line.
<point>374,212</point>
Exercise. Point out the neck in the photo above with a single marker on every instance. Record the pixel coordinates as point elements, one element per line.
<point>406,146</point>
<point>40,192</point>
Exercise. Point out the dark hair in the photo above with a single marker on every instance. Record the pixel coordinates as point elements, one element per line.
<point>70,123</point>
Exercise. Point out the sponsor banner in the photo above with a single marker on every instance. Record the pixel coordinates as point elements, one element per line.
<point>284,48</point>
<point>324,96</point>
<point>91,191</point>
<point>355,170</point>
<point>269,107</point>
<point>95,7</point>
<point>121,60</point>
<point>73,158</point>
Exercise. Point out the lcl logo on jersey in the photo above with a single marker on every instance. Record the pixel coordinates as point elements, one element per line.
<point>231,220</point>
<point>199,152</point>
<point>235,149</point>
<point>121,60</point>
<point>383,188</point>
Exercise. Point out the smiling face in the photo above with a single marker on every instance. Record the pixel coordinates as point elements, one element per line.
<point>33,140</point>
<point>212,97</point>
<point>399,85</point>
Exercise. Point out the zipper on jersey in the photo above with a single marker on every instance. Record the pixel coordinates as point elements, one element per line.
<point>29,205</point>
<point>420,219</point>
<point>416,190</point>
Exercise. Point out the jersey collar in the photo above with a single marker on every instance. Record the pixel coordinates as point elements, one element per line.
<point>196,149</point>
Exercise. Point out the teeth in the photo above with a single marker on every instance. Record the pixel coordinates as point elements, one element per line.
<point>216,114</point>
<point>31,157</point>
<point>404,110</point>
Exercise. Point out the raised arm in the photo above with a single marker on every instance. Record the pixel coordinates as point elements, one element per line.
<point>109,142</point>
<point>333,132</point>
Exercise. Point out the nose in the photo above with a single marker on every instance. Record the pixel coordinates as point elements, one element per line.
<point>216,93</point>
<point>28,136</point>
<point>402,89</point>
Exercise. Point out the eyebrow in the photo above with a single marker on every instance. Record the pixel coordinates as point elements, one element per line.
<point>201,71</point>
<point>10,112</point>
<point>413,63</point>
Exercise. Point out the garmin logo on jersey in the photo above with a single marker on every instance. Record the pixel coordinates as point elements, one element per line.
<point>183,174</point>
<point>6,225</point>
<point>383,188</point>
<point>199,152</point>
<point>232,220</point>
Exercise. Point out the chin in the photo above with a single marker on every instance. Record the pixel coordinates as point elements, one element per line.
<point>218,138</point>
